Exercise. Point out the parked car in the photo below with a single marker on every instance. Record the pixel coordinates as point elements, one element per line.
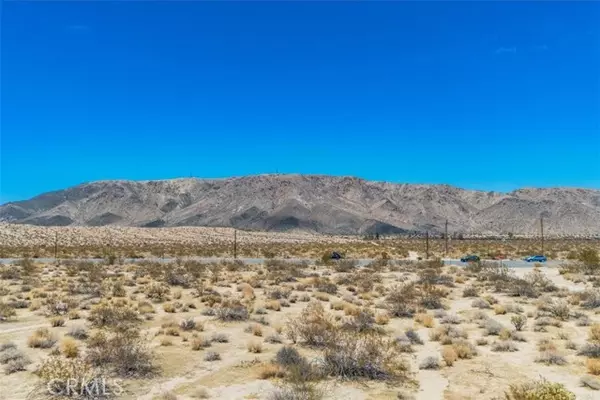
<point>537,258</point>
<point>470,258</point>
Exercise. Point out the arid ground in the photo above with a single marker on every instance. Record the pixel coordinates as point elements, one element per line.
<point>394,329</point>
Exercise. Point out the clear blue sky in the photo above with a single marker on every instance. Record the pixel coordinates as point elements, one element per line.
<point>489,95</point>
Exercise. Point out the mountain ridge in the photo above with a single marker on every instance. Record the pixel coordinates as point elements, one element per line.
<point>319,203</point>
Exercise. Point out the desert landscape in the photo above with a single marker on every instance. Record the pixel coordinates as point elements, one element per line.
<point>390,327</point>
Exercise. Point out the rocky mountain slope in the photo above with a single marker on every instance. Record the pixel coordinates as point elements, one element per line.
<point>326,204</point>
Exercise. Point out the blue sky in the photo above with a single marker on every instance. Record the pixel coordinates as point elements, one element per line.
<point>488,95</point>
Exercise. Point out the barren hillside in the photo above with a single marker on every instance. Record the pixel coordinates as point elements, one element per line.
<point>324,204</point>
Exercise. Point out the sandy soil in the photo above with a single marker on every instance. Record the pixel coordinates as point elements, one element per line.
<point>235,376</point>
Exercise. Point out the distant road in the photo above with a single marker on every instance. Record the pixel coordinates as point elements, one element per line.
<point>361,261</point>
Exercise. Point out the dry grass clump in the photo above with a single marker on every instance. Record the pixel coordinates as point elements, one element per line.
<point>200,343</point>
<point>69,348</point>
<point>271,370</point>
<point>431,362</point>
<point>254,347</point>
<point>57,322</point>
<point>56,373</point>
<point>425,319</point>
<point>593,366</point>
<point>546,345</point>
<point>449,355</point>
<point>42,338</point>
<point>447,334</point>
<point>382,319</point>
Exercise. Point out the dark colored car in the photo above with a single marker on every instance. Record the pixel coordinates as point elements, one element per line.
<point>537,258</point>
<point>470,258</point>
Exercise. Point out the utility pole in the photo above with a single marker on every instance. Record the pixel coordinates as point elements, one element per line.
<point>446,238</point>
<point>235,243</point>
<point>542,230</point>
<point>427,245</point>
<point>56,246</point>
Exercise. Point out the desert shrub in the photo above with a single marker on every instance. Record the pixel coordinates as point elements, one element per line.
<point>451,319</point>
<point>431,362</point>
<point>518,321</point>
<point>590,299</point>
<point>42,338</point>
<point>200,343</point>
<point>288,356</point>
<point>594,333</point>
<point>57,322</point>
<point>157,291</point>
<point>220,338</point>
<point>6,311</point>
<point>113,315</point>
<point>124,352</point>
<point>178,276</point>
<point>504,346</point>
<point>480,303</point>
<point>189,324</point>
<point>212,356</point>
<point>413,337</point>
<point>560,310</point>
<point>56,373</point>
<point>492,327</point>
<point>16,365</point>
<point>551,358</point>
<point>541,324</point>
<point>538,390</point>
<point>402,300</point>
<point>345,265</point>
<point>362,322</point>
<point>546,345</point>
<point>464,349</point>
<point>13,359</point>
<point>278,293</point>
<point>354,356</point>
<point>539,281</point>
<point>232,312</point>
<point>78,332</point>
<point>447,334</point>
<point>274,339</point>
<point>313,326</point>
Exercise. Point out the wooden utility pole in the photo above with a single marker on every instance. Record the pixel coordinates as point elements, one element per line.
<point>427,245</point>
<point>55,245</point>
<point>446,238</point>
<point>542,231</point>
<point>235,243</point>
